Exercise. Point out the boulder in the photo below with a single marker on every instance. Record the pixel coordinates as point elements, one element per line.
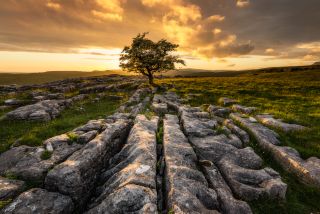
<point>129,182</point>
<point>243,135</point>
<point>10,188</point>
<point>279,124</point>
<point>77,175</point>
<point>187,189</point>
<point>195,122</point>
<point>218,111</point>
<point>39,201</point>
<point>12,102</point>
<point>243,109</point>
<point>235,163</point>
<point>307,171</point>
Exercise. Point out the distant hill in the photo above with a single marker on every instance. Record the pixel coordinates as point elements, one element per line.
<point>37,78</point>
<point>316,63</point>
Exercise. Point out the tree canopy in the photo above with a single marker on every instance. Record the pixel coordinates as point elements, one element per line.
<point>147,57</point>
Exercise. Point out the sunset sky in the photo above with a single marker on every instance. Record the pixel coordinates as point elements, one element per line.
<point>42,35</point>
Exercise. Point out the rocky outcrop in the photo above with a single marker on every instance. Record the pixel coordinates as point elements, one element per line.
<point>241,167</point>
<point>243,109</point>
<point>218,111</point>
<point>187,188</point>
<point>158,105</point>
<point>243,135</point>
<point>269,120</point>
<point>40,201</point>
<point>129,182</point>
<point>44,110</point>
<point>77,175</point>
<point>195,122</point>
<point>10,188</point>
<point>307,171</point>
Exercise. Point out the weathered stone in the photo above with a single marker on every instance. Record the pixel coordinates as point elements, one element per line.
<point>262,133</point>
<point>86,137</point>
<point>77,175</point>
<point>241,170</point>
<point>39,201</point>
<point>196,123</point>
<point>12,102</point>
<point>243,135</point>
<point>43,110</point>
<point>279,124</point>
<point>237,165</point>
<point>172,100</point>
<point>218,111</point>
<point>10,188</point>
<point>160,108</point>
<point>187,188</point>
<point>228,204</point>
<point>307,171</point>
<point>129,182</point>
<point>91,125</point>
<point>243,109</point>
<point>226,101</point>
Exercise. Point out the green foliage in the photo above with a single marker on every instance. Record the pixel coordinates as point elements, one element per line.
<point>4,203</point>
<point>147,57</point>
<point>46,155</point>
<point>10,175</point>
<point>34,133</point>
<point>292,96</point>
<point>73,137</point>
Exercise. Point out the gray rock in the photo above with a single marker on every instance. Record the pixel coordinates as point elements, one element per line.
<point>40,201</point>
<point>239,166</point>
<point>91,125</point>
<point>195,123</point>
<point>228,203</point>
<point>279,124</point>
<point>187,188</point>
<point>77,175</point>
<point>307,171</point>
<point>12,102</point>
<point>130,184</point>
<point>43,111</point>
<point>10,188</point>
<point>218,111</point>
<point>262,133</point>
<point>226,101</point>
<point>243,109</point>
<point>86,137</point>
<point>160,108</point>
<point>243,135</point>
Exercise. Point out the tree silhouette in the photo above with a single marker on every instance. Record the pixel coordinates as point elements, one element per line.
<point>147,57</point>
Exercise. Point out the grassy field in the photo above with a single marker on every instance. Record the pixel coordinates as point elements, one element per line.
<point>34,133</point>
<point>292,96</point>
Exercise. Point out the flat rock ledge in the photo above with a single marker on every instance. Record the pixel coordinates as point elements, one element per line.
<point>307,171</point>
<point>45,110</point>
<point>159,105</point>
<point>77,175</point>
<point>186,187</point>
<point>10,188</point>
<point>129,182</point>
<point>269,120</point>
<point>241,167</point>
<point>40,201</point>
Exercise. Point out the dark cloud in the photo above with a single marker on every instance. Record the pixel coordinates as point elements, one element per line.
<point>210,28</point>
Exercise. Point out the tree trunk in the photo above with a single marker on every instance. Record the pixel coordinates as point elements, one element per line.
<point>151,80</point>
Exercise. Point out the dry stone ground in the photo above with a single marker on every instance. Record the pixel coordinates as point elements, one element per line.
<point>200,163</point>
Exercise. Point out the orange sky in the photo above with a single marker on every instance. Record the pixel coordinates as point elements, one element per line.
<point>42,35</point>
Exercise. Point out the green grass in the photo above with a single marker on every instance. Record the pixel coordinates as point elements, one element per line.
<point>34,133</point>
<point>292,96</point>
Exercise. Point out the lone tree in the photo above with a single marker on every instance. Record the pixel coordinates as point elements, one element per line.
<point>147,57</point>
